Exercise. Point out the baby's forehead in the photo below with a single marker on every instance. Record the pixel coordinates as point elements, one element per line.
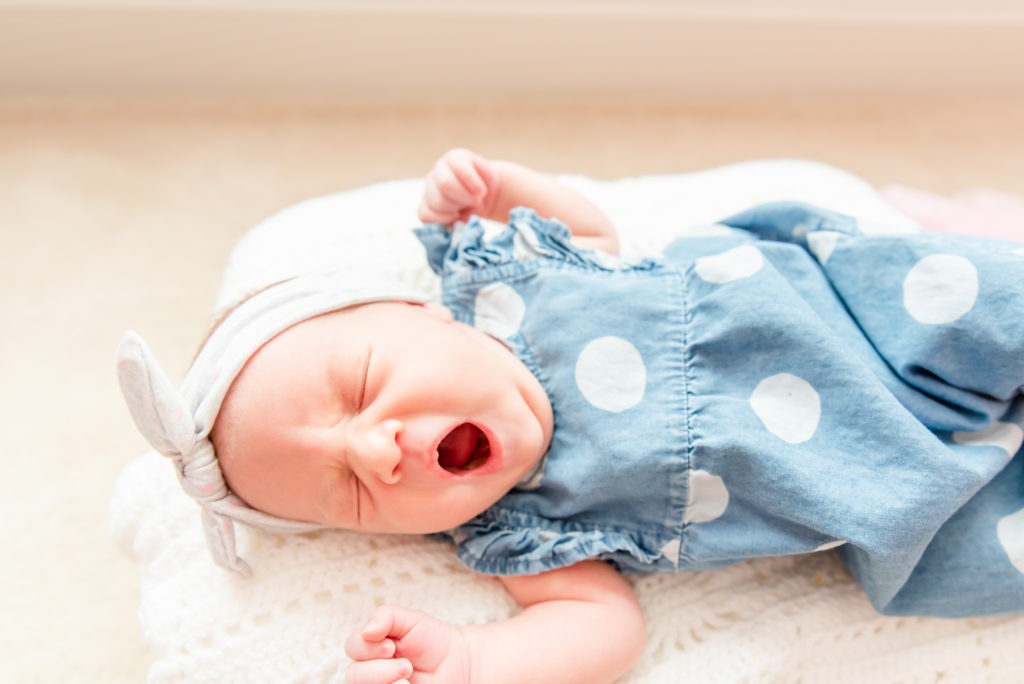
<point>313,360</point>
<point>290,357</point>
<point>279,384</point>
<point>308,340</point>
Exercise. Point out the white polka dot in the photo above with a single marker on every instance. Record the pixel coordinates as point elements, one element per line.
<point>671,551</point>
<point>788,406</point>
<point>525,246</point>
<point>611,374</point>
<point>498,310</point>
<point>830,545</point>
<point>708,497</point>
<point>940,288</point>
<point>1006,436</point>
<point>734,264</point>
<point>1010,531</point>
<point>822,244</point>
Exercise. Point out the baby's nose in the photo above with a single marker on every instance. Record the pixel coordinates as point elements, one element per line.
<point>379,450</point>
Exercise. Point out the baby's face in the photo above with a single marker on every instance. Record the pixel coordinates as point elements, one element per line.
<point>386,417</point>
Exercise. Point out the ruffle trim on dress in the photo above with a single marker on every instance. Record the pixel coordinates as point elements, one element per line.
<point>506,542</point>
<point>527,237</point>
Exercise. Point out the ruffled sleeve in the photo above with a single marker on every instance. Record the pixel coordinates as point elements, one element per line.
<point>505,542</point>
<point>527,236</point>
<point>436,240</point>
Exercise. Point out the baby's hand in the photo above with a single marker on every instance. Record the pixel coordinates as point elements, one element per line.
<point>461,183</point>
<point>399,646</point>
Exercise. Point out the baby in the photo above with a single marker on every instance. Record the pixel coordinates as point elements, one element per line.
<point>778,384</point>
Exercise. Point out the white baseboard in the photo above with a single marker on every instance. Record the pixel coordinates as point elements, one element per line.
<point>563,48</point>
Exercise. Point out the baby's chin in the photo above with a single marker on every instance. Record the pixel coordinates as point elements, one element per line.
<point>442,516</point>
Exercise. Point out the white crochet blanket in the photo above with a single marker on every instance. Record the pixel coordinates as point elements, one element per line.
<point>797,619</point>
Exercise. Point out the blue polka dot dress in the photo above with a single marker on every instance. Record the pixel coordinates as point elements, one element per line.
<point>777,384</point>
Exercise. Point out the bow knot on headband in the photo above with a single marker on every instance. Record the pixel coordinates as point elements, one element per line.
<point>177,422</point>
<point>200,475</point>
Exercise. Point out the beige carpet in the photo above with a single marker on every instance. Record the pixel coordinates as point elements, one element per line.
<point>117,215</point>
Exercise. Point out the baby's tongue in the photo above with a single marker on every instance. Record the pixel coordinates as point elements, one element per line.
<point>458,446</point>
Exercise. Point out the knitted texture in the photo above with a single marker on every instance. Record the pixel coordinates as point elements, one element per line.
<point>794,619</point>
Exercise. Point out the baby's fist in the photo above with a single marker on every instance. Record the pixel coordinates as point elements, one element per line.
<point>460,183</point>
<point>398,646</point>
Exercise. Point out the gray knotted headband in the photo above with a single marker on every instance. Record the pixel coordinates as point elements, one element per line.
<point>177,423</point>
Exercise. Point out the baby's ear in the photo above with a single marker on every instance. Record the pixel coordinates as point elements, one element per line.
<point>438,311</point>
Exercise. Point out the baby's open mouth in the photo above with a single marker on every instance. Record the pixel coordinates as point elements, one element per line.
<point>463,449</point>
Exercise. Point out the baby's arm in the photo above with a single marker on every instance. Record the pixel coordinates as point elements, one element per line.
<point>463,183</point>
<point>578,624</point>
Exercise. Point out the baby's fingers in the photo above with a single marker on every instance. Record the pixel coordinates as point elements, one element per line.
<point>359,647</point>
<point>457,182</point>
<point>469,172</point>
<point>457,186</point>
<point>379,672</point>
<point>436,209</point>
